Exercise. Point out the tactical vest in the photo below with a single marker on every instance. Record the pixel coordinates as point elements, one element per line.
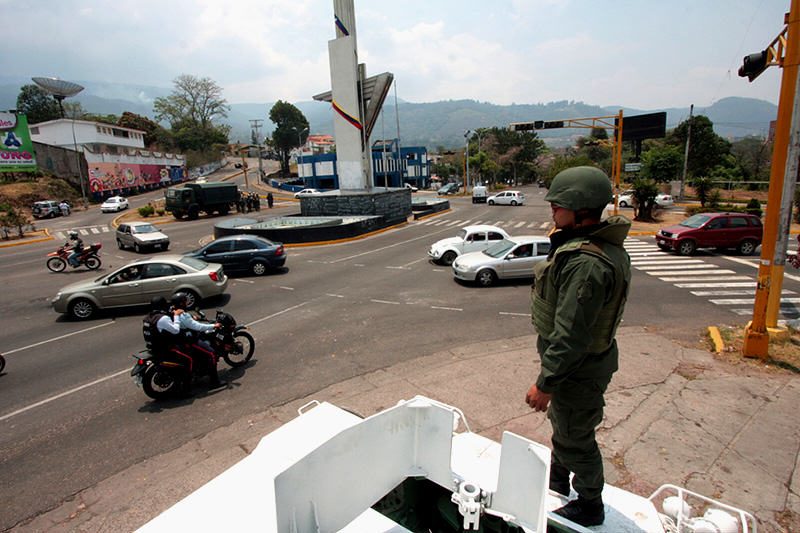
<point>156,340</point>
<point>543,294</point>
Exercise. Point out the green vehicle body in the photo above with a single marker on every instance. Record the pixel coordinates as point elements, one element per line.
<point>194,198</point>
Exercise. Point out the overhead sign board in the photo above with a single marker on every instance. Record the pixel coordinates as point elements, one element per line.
<point>16,148</point>
<point>639,127</point>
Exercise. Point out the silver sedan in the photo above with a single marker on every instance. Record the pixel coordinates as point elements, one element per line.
<point>138,282</point>
<point>513,257</point>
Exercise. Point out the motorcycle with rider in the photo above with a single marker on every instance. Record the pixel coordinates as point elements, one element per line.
<point>73,253</point>
<point>181,348</point>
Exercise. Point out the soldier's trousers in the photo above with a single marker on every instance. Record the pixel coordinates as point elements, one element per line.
<point>575,447</point>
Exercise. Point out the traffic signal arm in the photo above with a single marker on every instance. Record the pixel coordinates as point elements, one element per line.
<point>754,64</point>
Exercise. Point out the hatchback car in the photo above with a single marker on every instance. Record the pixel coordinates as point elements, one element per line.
<point>507,198</point>
<point>626,199</point>
<point>513,257</point>
<point>243,253</point>
<point>413,188</point>
<point>306,192</point>
<point>115,203</point>
<point>448,188</point>
<point>140,236</point>
<point>469,239</point>
<point>45,209</point>
<point>713,230</point>
<point>137,283</point>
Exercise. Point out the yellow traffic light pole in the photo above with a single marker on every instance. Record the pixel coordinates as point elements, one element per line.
<point>770,276</point>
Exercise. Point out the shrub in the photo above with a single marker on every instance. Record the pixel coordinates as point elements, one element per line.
<point>146,210</point>
<point>754,207</point>
<point>160,212</point>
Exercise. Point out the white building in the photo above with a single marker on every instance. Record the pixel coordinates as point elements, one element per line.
<point>66,133</point>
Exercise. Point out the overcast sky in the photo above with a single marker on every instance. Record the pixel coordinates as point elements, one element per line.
<point>645,54</point>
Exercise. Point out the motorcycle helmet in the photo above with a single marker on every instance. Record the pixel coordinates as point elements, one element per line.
<point>73,235</point>
<point>159,303</point>
<point>580,188</point>
<point>178,300</point>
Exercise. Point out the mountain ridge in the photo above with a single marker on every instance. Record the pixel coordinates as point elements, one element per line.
<point>430,124</point>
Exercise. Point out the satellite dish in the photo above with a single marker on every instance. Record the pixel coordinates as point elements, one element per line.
<point>58,87</point>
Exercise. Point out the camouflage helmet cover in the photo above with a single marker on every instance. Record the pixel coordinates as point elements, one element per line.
<point>580,188</point>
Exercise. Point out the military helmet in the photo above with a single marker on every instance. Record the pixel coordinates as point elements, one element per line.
<point>580,188</point>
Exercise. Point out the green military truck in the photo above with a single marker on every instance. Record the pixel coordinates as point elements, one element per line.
<point>193,198</point>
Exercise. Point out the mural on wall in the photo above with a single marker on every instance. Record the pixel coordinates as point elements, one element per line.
<point>16,149</point>
<point>106,177</point>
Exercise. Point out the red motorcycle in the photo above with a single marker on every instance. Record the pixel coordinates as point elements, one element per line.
<point>57,261</point>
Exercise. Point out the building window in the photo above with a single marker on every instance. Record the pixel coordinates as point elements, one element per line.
<point>99,129</point>
<point>34,130</point>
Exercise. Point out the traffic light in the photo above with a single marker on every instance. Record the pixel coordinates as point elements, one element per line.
<point>753,65</point>
<point>524,126</point>
<point>553,124</point>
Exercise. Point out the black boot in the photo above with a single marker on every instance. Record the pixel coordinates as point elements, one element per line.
<point>214,381</point>
<point>559,479</point>
<point>584,512</point>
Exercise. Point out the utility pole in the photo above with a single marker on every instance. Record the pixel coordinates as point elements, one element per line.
<point>466,160</point>
<point>255,126</point>
<point>756,340</point>
<point>686,153</point>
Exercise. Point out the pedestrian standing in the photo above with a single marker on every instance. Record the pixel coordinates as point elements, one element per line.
<point>578,298</point>
<point>270,200</point>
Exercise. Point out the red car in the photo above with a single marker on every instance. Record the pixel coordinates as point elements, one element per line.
<point>713,230</point>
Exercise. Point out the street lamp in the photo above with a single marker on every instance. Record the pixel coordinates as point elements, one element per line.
<point>466,158</point>
<point>300,151</point>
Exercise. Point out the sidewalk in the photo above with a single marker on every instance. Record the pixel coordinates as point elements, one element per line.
<point>674,415</point>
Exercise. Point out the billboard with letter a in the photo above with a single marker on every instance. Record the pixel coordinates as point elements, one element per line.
<point>16,148</point>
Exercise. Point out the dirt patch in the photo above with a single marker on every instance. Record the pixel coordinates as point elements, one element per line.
<point>22,194</point>
<point>783,355</point>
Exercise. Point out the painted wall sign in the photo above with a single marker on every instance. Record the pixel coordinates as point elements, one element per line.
<point>16,148</point>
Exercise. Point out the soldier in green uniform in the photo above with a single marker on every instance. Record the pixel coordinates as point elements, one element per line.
<point>578,299</point>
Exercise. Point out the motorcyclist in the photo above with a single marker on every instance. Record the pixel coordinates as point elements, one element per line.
<point>200,350</point>
<point>76,245</point>
<point>160,327</point>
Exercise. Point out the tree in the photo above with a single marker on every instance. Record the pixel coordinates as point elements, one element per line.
<point>706,148</point>
<point>291,130</point>
<point>155,135</point>
<point>15,218</point>
<point>517,153</point>
<point>192,109</point>
<point>703,187</point>
<point>36,104</point>
<point>753,156</point>
<point>565,161</point>
<point>644,198</point>
<point>662,164</point>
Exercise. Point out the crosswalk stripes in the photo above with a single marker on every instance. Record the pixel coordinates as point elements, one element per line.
<point>695,274</point>
<point>64,235</point>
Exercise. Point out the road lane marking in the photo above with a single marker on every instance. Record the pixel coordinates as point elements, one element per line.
<point>334,295</point>
<point>712,285</point>
<point>57,338</point>
<point>286,288</point>
<point>682,266</point>
<point>273,315</point>
<point>385,302</point>
<point>705,272</point>
<point>744,301</point>
<point>755,265</point>
<point>515,314</point>
<point>715,278</point>
<point>244,280</point>
<point>61,395</point>
<point>446,308</point>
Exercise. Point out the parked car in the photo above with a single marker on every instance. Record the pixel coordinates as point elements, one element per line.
<point>140,236</point>
<point>507,198</point>
<point>138,282</point>
<point>306,192</point>
<point>713,230</point>
<point>115,203</point>
<point>469,239</point>
<point>412,187</point>
<point>448,188</point>
<point>626,199</point>
<point>243,253</point>
<point>513,257</point>
<point>45,209</point>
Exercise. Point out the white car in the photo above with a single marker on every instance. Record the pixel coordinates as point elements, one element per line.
<point>513,257</point>
<point>507,198</point>
<point>626,199</point>
<point>469,239</point>
<point>306,192</point>
<point>412,187</point>
<point>115,203</point>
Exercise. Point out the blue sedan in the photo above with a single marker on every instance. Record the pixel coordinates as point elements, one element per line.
<point>245,253</point>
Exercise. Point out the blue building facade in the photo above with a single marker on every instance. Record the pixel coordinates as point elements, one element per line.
<point>393,166</point>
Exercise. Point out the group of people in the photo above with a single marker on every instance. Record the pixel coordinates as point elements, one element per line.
<point>248,201</point>
<point>168,329</point>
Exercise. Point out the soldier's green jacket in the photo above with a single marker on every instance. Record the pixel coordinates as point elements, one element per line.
<point>578,299</point>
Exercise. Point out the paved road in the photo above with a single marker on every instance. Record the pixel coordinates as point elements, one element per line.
<point>71,415</point>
